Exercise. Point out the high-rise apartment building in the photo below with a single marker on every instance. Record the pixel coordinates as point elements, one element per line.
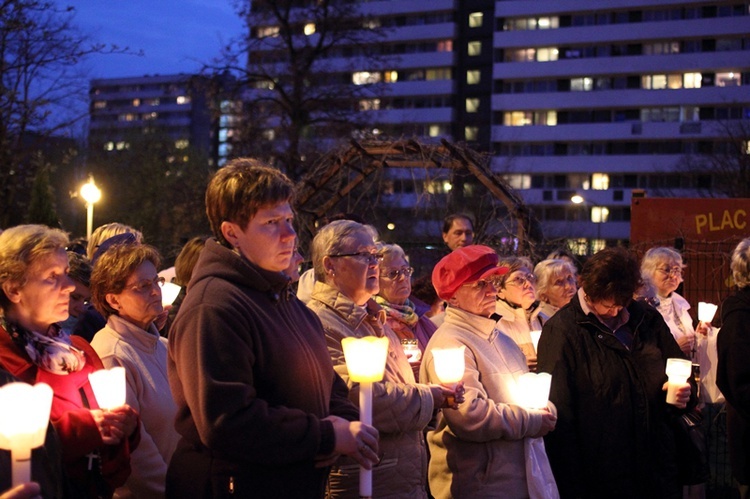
<point>576,100</point>
<point>181,106</point>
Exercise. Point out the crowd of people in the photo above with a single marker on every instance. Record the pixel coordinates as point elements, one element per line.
<point>240,387</point>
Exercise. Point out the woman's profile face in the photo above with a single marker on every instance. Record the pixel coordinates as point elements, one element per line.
<point>561,289</point>
<point>140,301</point>
<point>395,289</point>
<point>357,275</point>
<point>43,300</point>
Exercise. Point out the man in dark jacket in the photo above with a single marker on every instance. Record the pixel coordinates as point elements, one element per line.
<point>733,371</point>
<point>261,411</point>
<point>607,356</point>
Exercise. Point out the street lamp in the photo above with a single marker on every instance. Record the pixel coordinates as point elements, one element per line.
<point>91,194</point>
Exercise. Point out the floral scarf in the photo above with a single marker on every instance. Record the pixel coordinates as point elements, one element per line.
<point>51,351</point>
<point>402,313</point>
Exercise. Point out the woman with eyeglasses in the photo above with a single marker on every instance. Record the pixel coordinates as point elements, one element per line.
<point>96,444</point>
<point>126,290</point>
<point>516,304</point>
<point>347,265</point>
<point>607,355</point>
<point>556,284</point>
<point>661,270</point>
<point>413,330</point>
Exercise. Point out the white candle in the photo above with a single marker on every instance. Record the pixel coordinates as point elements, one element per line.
<point>533,390</point>
<point>678,371</point>
<point>449,365</point>
<point>706,312</point>
<point>109,387</point>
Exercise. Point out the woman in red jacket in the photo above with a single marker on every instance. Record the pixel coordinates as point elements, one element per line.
<point>36,290</point>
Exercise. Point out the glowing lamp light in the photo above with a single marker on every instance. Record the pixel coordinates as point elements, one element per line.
<point>706,312</point>
<point>678,371</point>
<point>533,390</point>
<point>169,292</point>
<point>449,365</point>
<point>535,335</point>
<point>23,424</point>
<point>109,387</point>
<point>365,361</point>
<point>411,350</point>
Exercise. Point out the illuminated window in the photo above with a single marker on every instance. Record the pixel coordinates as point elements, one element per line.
<point>475,19</point>
<point>599,214</point>
<point>269,134</point>
<point>264,31</point>
<point>546,54</point>
<point>434,130</point>
<point>183,99</point>
<point>474,48</point>
<point>136,102</point>
<point>369,104</point>
<point>152,102</point>
<point>309,29</point>
<point>109,146</point>
<point>391,76</point>
<point>122,145</point>
<point>126,117</point>
<point>182,144</point>
<point>548,22</point>
<point>654,82</point>
<point>472,105</point>
<point>600,181</point>
<point>692,80</point>
<point>473,77</point>
<point>100,104</point>
<point>581,84</point>
<point>471,133</point>
<point>371,23</point>
<point>674,81</point>
<point>730,79</point>
<point>438,74</point>
<point>365,77</point>
<point>518,181</point>
<point>445,46</point>
<point>149,116</point>
<point>517,118</point>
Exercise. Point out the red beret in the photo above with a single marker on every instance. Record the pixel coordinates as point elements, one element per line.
<point>463,266</point>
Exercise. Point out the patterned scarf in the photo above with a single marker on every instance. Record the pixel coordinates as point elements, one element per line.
<point>402,313</point>
<point>51,351</point>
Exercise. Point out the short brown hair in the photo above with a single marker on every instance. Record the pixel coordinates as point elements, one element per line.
<point>114,267</point>
<point>611,273</point>
<point>237,191</point>
<point>21,247</point>
<point>186,260</point>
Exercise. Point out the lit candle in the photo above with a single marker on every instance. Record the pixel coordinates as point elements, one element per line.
<point>23,424</point>
<point>449,365</point>
<point>412,351</point>
<point>533,390</point>
<point>365,361</point>
<point>706,312</point>
<point>169,292</point>
<point>109,387</point>
<point>535,335</point>
<point>678,371</point>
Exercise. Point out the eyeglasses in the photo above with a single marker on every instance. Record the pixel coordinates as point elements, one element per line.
<point>394,274</point>
<point>481,285</point>
<point>146,285</point>
<point>521,280</point>
<point>671,272</point>
<point>362,256</point>
<point>565,280</point>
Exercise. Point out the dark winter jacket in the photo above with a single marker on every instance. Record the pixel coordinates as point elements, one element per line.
<point>614,430</point>
<point>733,378</point>
<point>252,380</point>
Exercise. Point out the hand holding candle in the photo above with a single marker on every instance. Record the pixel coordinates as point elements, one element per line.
<point>678,371</point>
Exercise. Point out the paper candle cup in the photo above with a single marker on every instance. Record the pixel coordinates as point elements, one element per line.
<point>169,292</point>
<point>109,387</point>
<point>678,372</point>
<point>706,312</point>
<point>533,390</point>
<point>535,335</point>
<point>449,364</point>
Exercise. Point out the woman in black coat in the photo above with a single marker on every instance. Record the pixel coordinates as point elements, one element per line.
<point>607,356</point>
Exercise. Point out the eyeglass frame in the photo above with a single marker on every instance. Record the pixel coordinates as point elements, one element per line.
<point>521,281</point>
<point>141,288</point>
<point>394,274</point>
<point>674,271</point>
<point>372,257</point>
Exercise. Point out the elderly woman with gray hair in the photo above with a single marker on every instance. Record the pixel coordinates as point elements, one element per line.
<point>395,288</point>
<point>733,375</point>
<point>347,271</point>
<point>556,284</point>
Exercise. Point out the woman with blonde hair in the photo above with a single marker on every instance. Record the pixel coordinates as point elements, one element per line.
<point>36,289</point>
<point>556,284</point>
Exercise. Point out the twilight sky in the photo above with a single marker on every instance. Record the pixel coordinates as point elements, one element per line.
<point>176,36</point>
